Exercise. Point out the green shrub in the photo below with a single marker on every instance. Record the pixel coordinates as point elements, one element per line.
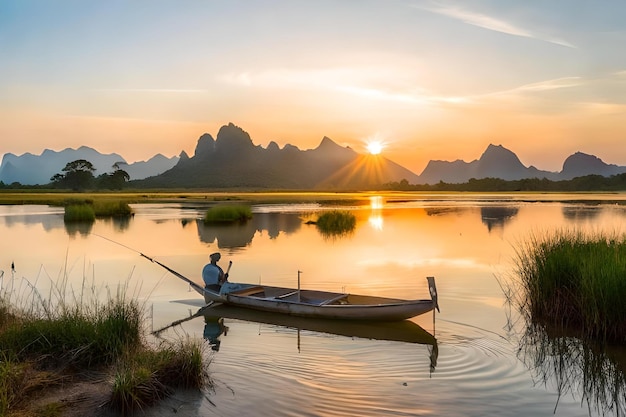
<point>336,223</point>
<point>228,214</point>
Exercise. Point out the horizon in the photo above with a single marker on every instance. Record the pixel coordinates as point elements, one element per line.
<point>368,152</point>
<point>544,80</point>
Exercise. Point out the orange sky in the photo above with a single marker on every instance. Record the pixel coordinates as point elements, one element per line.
<point>430,79</point>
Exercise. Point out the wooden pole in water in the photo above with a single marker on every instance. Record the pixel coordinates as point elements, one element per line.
<point>299,272</point>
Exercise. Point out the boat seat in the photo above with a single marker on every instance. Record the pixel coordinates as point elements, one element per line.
<point>249,291</point>
<point>332,300</point>
<point>289,294</point>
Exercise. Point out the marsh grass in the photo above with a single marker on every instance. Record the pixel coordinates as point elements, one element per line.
<point>336,223</point>
<point>79,213</point>
<point>573,279</point>
<point>228,214</point>
<point>143,378</point>
<point>66,334</point>
<point>88,210</point>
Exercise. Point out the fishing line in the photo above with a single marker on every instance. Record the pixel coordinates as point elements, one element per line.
<point>195,286</point>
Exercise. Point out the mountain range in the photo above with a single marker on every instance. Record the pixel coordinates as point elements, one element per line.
<point>231,160</point>
<point>29,169</point>
<point>499,162</point>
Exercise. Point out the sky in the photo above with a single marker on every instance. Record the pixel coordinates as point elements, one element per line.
<point>426,79</point>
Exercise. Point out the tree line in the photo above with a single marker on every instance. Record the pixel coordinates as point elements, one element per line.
<point>584,183</point>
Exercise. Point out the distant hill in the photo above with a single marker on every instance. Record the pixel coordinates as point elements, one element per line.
<point>581,164</point>
<point>29,169</point>
<point>233,161</point>
<point>499,162</point>
<point>153,166</point>
<point>495,162</point>
<point>37,169</point>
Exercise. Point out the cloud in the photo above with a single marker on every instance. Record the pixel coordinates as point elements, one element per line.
<point>491,23</point>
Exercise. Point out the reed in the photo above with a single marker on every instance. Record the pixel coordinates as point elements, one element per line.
<point>336,223</point>
<point>228,214</point>
<point>45,340</point>
<point>143,378</point>
<point>573,279</point>
<point>79,213</point>
<point>111,208</point>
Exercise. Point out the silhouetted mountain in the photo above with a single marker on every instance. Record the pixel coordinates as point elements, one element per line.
<point>233,161</point>
<point>153,166</point>
<point>495,162</point>
<point>581,164</point>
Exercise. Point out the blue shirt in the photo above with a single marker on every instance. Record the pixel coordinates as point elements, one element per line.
<point>211,274</point>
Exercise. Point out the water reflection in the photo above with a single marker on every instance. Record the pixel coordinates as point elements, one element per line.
<point>376,217</point>
<point>401,331</point>
<point>240,235</point>
<point>213,328</point>
<point>74,229</point>
<point>497,216</point>
<point>581,213</point>
<point>584,369</point>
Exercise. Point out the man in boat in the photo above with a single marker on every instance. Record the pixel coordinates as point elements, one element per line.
<point>212,274</point>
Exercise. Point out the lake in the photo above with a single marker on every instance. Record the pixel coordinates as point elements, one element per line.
<point>474,360</point>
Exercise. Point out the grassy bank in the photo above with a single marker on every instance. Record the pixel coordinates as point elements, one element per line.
<point>53,344</point>
<point>577,280</point>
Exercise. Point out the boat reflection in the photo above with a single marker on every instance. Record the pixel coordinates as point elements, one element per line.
<point>400,331</point>
<point>591,371</point>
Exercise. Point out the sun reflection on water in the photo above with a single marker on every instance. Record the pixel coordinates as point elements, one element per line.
<point>376,218</point>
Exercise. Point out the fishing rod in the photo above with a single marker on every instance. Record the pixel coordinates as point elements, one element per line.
<point>195,286</point>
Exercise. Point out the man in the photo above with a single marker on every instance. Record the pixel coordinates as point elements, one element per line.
<point>212,274</point>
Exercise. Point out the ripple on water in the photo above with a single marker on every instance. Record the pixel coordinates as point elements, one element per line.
<point>272,371</point>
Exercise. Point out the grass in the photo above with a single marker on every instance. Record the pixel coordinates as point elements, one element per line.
<point>144,378</point>
<point>228,214</point>
<point>47,342</point>
<point>79,213</point>
<point>575,280</point>
<point>88,210</point>
<point>336,223</point>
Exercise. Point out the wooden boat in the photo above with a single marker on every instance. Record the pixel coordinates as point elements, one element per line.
<point>313,303</point>
<point>320,304</point>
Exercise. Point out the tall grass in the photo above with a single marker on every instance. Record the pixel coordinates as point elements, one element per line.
<point>46,339</point>
<point>88,210</point>
<point>574,279</point>
<point>228,214</point>
<point>336,223</point>
<point>143,378</point>
<point>79,213</point>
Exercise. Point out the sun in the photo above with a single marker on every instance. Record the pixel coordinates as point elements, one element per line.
<point>375,147</point>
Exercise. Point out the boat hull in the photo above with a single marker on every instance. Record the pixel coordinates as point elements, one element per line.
<point>320,304</point>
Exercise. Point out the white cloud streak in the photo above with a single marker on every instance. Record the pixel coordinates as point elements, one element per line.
<point>492,23</point>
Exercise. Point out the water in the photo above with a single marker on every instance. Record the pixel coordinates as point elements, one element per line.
<point>481,363</point>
